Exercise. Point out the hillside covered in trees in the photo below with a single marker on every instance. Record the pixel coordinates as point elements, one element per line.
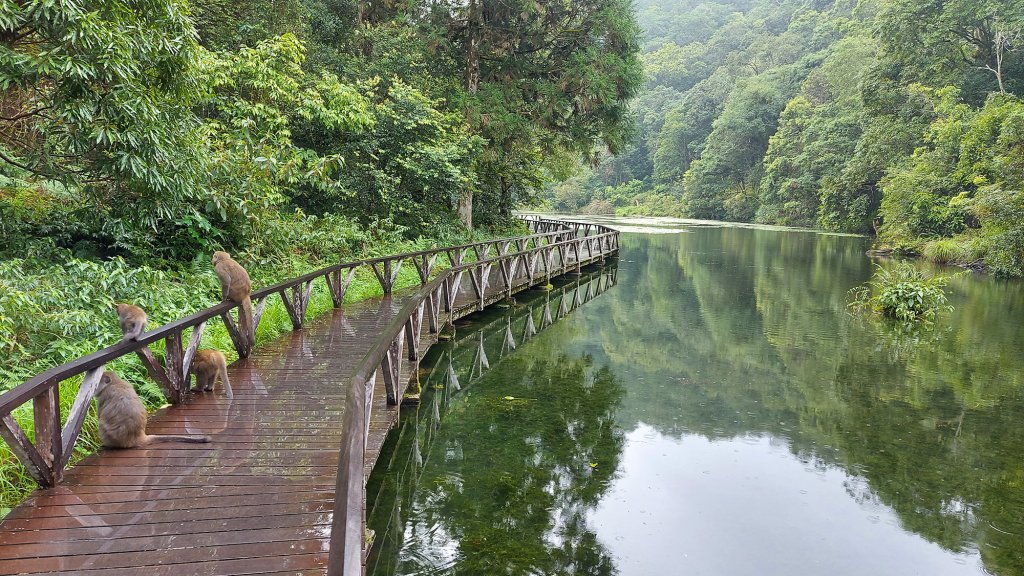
<point>901,117</point>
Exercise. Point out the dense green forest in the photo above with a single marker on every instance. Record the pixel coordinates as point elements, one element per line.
<point>900,117</point>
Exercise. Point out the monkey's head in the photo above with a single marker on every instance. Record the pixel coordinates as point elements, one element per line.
<point>121,307</point>
<point>220,256</point>
<point>108,378</point>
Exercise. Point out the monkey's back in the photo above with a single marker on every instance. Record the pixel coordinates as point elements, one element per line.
<point>233,278</point>
<point>242,282</point>
<point>206,359</point>
<point>132,318</point>
<point>122,418</point>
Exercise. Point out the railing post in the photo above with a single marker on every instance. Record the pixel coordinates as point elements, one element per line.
<point>297,304</point>
<point>46,414</point>
<point>338,286</point>
<point>389,273</point>
<point>424,269</point>
<point>481,252</point>
<point>157,372</point>
<point>190,352</point>
<point>456,256</point>
<point>18,442</point>
<point>173,364</point>
<point>346,526</point>
<point>260,304</point>
<point>412,333</point>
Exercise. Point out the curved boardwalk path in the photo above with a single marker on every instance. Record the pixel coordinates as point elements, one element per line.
<point>260,497</point>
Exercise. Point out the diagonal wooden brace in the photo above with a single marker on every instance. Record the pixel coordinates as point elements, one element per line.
<point>76,415</point>
<point>19,443</point>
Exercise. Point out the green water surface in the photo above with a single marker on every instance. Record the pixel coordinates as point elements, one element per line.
<point>707,406</point>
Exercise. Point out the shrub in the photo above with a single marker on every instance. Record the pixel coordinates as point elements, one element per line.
<point>598,206</point>
<point>1001,213</point>
<point>943,251</point>
<point>902,292</point>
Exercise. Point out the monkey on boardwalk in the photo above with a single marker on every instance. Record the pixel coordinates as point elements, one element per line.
<point>207,365</point>
<point>133,320</point>
<point>123,417</point>
<point>235,287</point>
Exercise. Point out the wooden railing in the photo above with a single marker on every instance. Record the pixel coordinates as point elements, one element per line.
<point>516,270</point>
<point>46,457</point>
<point>470,357</point>
<point>539,224</point>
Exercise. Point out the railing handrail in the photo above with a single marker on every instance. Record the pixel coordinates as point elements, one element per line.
<point>346,527</point>
<point>21,393</point>
<point>262,292</point>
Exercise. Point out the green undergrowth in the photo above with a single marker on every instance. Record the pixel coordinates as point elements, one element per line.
<point>977,251</point>
<point>56,307</point>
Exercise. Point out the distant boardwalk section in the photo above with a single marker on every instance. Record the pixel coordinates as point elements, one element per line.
<point>281,486</point>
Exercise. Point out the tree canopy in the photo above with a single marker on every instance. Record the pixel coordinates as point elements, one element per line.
<point>166,127</point>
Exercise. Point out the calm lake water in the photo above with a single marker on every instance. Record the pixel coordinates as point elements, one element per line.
<point>707,406</point>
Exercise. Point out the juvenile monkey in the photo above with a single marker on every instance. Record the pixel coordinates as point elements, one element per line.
<point>236,287</point>
<point>133,320</point>
<point>206,366</point>
<point>123,417</point>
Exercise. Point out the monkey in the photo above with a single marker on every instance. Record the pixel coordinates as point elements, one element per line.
<point>236,287</point>
<point>123,417</point>
<point>133,320</point>
<point>206,366</point>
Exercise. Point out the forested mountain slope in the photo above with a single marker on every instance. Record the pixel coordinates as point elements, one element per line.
<point>898,116</point>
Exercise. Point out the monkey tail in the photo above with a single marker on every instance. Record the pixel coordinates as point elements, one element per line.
<point>245,323</point>
<point>154,438</point>
<point>225,381</point>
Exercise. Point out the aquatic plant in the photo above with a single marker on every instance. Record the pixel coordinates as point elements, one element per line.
<point>902,292</point>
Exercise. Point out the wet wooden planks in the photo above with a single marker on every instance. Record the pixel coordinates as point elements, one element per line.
<point>257,499</point>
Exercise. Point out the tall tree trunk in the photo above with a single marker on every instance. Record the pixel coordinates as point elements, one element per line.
<point>465,210</point>
<point>474,33</point>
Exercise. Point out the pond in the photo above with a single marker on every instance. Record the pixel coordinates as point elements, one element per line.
<point>707,405</point>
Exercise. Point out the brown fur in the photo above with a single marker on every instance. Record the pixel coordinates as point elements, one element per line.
<point>133,320</point>
<point>207,365</point>
<point>123,416</point>
<point>235,287</point>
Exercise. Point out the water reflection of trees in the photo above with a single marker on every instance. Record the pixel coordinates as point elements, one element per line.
<point>497,469</point>
<point>749,331</point>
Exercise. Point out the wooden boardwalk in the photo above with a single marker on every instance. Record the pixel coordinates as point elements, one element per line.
<point>260,497</point>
